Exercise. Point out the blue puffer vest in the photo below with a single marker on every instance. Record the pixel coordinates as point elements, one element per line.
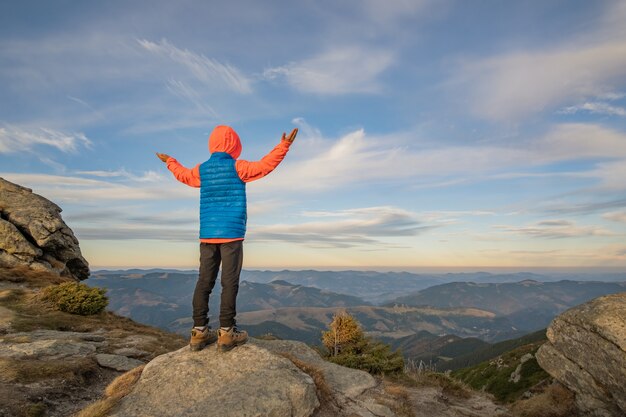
<point>222,199</point>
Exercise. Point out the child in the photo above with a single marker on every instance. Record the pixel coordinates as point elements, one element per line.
<point>222,181</point>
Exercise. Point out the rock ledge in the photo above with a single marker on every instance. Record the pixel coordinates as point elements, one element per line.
<point>586,351</point>
<point>33,234</point>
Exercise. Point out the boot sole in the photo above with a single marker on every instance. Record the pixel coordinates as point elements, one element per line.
<point>226,348</point>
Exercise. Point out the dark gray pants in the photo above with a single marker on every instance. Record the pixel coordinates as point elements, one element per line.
<point>230,255</point>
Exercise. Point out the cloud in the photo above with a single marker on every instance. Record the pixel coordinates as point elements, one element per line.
<point>180,89</point>
<point>349,228</point>
<point>339,70</point>
<point>587,208</point>
<point>514,85</point>
<point>19,139</point>
<point>136,231</point>
<point>359,158</point>
<point>123,223</point>
<point>518,84</point>
<point>78,190</point>
<point>595,107</point>
<point>206,70</point>
<point>556,229</point>
<point>616,216</point>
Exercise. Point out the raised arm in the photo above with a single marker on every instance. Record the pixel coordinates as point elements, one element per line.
<point>188,176</point>
<point>250,171</point>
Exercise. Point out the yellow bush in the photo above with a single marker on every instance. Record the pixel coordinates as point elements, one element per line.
<point>344,331</point>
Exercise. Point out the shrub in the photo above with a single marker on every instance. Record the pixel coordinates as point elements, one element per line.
<point>348,346</point>
<point>372,356</point>
<point>76,298</point>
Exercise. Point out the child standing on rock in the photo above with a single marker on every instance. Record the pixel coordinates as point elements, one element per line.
<point>223,214</point>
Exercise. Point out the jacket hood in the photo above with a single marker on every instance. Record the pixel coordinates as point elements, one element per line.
<point>225,139</point>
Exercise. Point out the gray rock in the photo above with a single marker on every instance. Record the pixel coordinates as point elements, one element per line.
<point>344,381</point>
<point>117,362</point>
<point>517,374</point>
<point>46,349</point>
<point>15,244</point>
<point>131,352</point>
<point>586,351</point>
<point>349,387</point>
<point>32,233</point>
<point>44,334</point>
<point>247,381</point>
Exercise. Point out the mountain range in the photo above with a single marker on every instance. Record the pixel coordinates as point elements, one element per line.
<point>437,323</point>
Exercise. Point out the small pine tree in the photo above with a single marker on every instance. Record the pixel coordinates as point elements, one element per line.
<point>344,333</point>
<point>348,346</point>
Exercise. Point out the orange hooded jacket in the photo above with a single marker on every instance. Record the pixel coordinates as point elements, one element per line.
<point>225,139</point>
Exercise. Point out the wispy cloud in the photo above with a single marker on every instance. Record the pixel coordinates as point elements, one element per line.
<point>20,139</point>
<point>339,70</point>
<point>182,90</point>
<point>206,70</point>
<point>516,85</point>
<point>359,158</point>
<point>65,189</point>
<point>586,208</point>
<point>123,223</point>
<point>348,228</point>
<point>556,229</point>
<point>597,107</point>
<point>513,85</point>
<point>145,176</point>
<point>616,216</point>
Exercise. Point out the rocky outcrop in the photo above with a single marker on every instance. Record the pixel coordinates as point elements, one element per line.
<point>33,234</point>
<point>586,351</point>
<point>261,378</point>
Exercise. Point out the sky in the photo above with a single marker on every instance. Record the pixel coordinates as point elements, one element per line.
<point>432,134</point>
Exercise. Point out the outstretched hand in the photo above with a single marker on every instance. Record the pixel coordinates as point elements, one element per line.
<point>291,137</point>
<point>162,156</point>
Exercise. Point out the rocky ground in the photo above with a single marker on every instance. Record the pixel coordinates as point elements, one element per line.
<point>283,378</point>
<point>54,363</point>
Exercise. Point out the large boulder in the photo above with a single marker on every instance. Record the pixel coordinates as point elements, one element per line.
<point>261,378</point>
<point>586,351</point>
<point>33,234</point>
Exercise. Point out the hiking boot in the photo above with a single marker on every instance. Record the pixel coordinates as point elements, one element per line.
<point>231,337</point>
<point>201,338</point>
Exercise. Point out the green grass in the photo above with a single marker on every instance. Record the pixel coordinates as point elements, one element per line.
<point>494,375</point>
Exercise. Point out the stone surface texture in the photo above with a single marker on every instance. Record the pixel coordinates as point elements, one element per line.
<point>33,234</point>
<point>260,378</point>
<point>247,381</point>
<point>117,362</point>
<point>586,351</point>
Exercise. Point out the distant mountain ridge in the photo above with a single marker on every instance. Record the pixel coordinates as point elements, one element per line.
<point>529,305</point>
<point>162,298</point>
<point>381,287</point>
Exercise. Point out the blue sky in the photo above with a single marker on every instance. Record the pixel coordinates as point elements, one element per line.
<point>445,134</point>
